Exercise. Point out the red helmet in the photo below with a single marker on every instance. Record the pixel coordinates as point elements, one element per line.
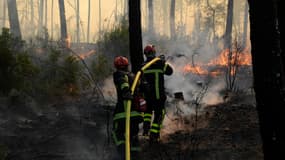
<point>121,62</point>
<point>149,50</point>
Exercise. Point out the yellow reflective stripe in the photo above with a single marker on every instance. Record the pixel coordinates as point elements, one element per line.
<point>147,119</point>
<point>153,71</point>
<point>126,78</point>
<point>117,142</point>
<point>125,104</point>
<point>156,73</point>
<point>147,115</point>
<point>119,116</point>
<point>135,113</point>
<point>124,85</point>
<point>157,85</point>
<point>155,125</point>
<point>154,130</point>
<point>165,66</point>
<point>163,115</point>
<point>123,115</point>
<point>136,149</point>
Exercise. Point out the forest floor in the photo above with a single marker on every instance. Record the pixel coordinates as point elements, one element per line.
<point>80,130</point>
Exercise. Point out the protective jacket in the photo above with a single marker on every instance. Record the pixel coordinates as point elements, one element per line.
<point>123,81</point>
<point>155,96</point>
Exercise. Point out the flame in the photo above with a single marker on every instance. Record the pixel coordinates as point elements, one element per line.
<point>194,69</point>
<point>236,58</point>
<point>223,60</point>
<point>87,54</point>
<point>68,41</point>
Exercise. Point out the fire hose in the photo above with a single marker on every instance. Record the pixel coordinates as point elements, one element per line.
<point>128,110</point>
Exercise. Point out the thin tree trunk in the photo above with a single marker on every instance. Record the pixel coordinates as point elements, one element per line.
<point>46,8</point>
<point>282,31</point>
<point>51,21</point>
<point>150,17</point>
<point>172,19</point>
<point>4,12</point>
<point>116,12</point>
<point>32,23</point>
<point>41,16</point>
<point>14,19</point>
<point>213,20</point>
<point>135,35</point>
<point>229,25</point>
<point>245,26</point>
<point>268,70</point>
<point>100,19</point>
<point>126,8</point>
<point>165,16</point>
<point>77,22</point>
<point>88,25</point>
<point>63,28</point>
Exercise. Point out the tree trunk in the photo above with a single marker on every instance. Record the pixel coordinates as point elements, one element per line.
<point>88,23</point>
<point>100,19</point>
<point>165,11</point>
<point>213,24</point>
<point>13,19</point>
<point>172,19</point>
<point>126,8</point>
<point>51,21</point>
<point>229,25</point>
<point>77,22</point>
<point>32,22</point>
<point>268,70</point>
<point>4,12</point>
<point>63,29</point>
<point>135,35</point>
<point>281,28</point>
<point>245,26</point>
<point>46,15</point>
<point>41,16</point>
<point>150,17</point>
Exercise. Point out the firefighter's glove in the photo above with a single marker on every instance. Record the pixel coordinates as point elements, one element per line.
<point>162,58</point>
<point>127,96</point>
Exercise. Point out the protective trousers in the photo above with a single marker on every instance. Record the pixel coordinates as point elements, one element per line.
<point>152,126</point>
<point>118,133</point>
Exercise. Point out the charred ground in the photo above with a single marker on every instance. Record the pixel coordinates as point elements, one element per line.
<point>78,130</point>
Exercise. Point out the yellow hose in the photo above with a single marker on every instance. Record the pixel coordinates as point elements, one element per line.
<point>128,110</point>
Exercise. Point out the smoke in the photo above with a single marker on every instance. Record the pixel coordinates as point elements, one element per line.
<point>109,90</point>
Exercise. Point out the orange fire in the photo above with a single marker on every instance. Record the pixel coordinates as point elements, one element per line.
<point>236,58</point>
<point>68,41</point>
<point>87,54</point>
<point>197,69</point>
<point>223,60</point>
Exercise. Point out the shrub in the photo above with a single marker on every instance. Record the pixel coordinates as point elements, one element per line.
<point>59,74</point>
<point>116,41</point>
<point>16,67</point>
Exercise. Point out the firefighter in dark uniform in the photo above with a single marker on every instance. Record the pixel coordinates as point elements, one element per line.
<point>123,80</point>
<point>155,95</point>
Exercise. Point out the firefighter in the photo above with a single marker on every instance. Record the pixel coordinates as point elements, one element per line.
<point>155,94</point>
<point>123,79</point>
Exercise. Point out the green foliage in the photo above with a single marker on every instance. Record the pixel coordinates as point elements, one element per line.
<point>16,68</point>
<point>59,75</point>
<point>101,68</point>
<point>115,42</point>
